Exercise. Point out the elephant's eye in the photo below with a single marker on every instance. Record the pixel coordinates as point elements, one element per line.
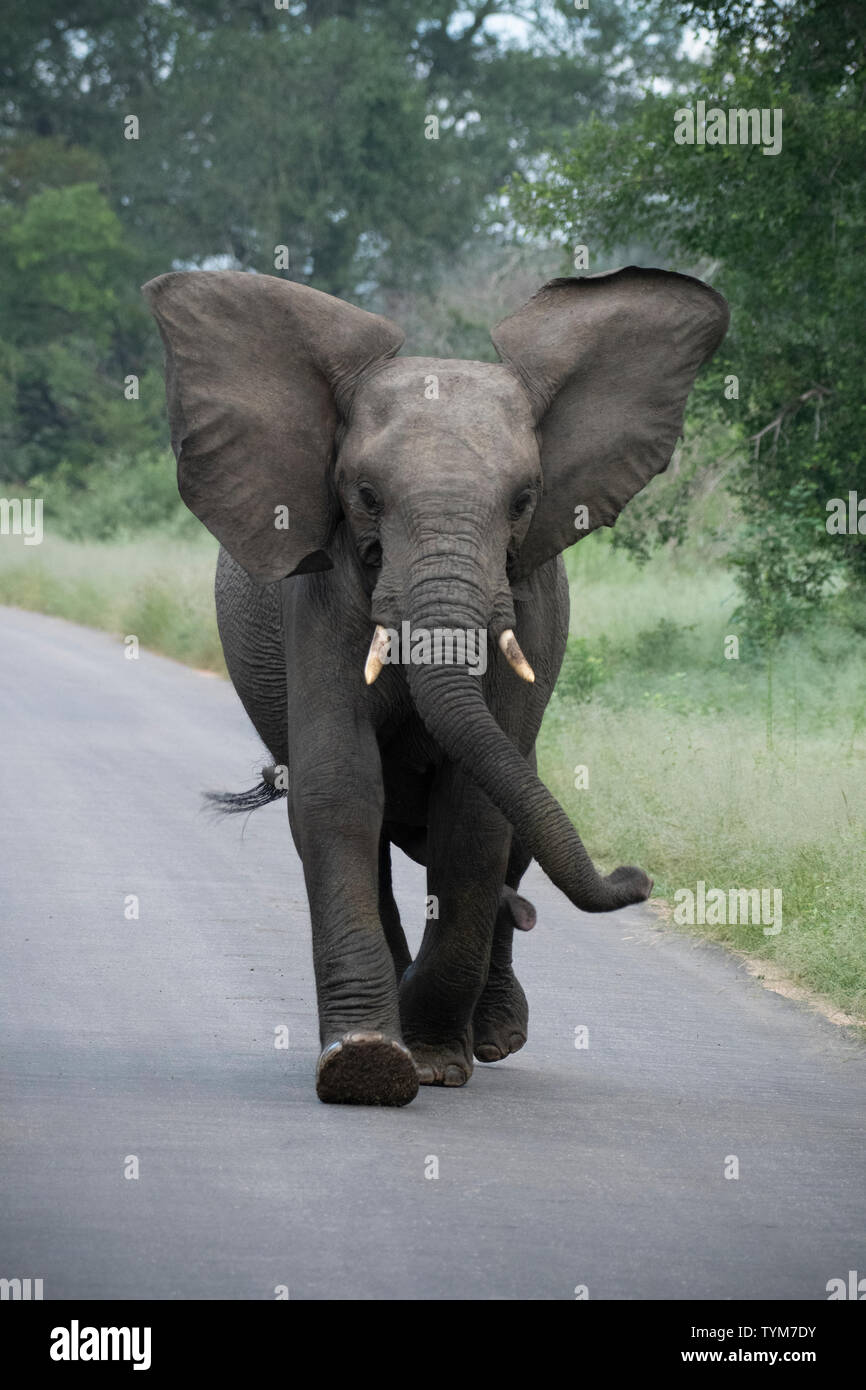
<point>522,502</point>
<point>369,499</point>
<point>371,554</point>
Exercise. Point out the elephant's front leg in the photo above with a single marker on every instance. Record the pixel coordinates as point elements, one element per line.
<point>467,854</point>
<point>336,813</point>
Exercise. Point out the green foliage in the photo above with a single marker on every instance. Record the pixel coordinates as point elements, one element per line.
<point>743,773</point>
<point>150,586</point>
<point>582,670</point>
<point>121,498</point>
<point>261,128</point>
<point>321,146</point>
<point>781,236</point>
<point>62,252</point>
<point>72,328</point>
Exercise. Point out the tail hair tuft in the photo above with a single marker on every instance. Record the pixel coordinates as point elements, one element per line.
<point>236,803</point>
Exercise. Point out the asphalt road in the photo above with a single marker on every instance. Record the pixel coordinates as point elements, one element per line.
<point>154,1038</point>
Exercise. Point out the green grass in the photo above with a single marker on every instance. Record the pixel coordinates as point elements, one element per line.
<point>729,771</point>
<point>699,767</point>
<point>159,588</point>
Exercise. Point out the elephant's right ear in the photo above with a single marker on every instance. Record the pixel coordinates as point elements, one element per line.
<point>258,371</point>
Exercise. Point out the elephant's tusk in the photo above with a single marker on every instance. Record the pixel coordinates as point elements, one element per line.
<point>510,648</point>
<point>374,663</point>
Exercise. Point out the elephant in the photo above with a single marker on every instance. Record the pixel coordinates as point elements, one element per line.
<point>358,495</point>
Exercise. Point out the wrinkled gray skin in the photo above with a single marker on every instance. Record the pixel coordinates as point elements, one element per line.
<point>449,513</point>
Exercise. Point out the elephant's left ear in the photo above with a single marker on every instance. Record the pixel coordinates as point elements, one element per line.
<point>608,362</point>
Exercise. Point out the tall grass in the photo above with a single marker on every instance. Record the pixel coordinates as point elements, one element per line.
<point>738,772</point>
<point>154,587</point>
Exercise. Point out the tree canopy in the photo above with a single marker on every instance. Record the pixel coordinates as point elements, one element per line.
<point>257,126</point>
<point>782,237</point>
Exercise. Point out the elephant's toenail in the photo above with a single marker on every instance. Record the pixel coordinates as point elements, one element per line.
<point>516,1041</point>
<point>425,1075</point>
<point>454,1076</point>
<point>488,1053</point>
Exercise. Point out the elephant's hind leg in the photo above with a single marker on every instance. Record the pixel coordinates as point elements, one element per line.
<point>390,913</point>
<point>500,1021</point>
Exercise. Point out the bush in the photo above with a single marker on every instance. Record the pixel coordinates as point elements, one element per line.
<point>582,670</point>
<point>119,499</point>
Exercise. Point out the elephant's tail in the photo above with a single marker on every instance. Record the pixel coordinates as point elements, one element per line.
<point>233,803</point>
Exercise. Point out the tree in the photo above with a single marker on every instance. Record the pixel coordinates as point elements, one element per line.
<point>65,286</point>
<point>781,237</point>
<point>308,126</point>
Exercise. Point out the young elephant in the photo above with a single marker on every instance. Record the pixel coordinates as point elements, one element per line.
<point>393,609</point>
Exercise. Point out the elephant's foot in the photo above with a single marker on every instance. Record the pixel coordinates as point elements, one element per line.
<point>501,1018</point>
<point>443,1063</point>
<point>366,1068</point>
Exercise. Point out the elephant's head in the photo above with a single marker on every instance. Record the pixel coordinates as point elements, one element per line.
<point>291,415</point>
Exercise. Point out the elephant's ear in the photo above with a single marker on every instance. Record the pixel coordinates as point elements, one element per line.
<point>608,361</point>
<point>258,371</point>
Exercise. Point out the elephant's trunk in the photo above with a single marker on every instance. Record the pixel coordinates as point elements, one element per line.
<point>450,701</point>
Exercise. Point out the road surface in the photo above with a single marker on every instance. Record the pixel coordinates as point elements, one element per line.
<point>148,1044</point>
